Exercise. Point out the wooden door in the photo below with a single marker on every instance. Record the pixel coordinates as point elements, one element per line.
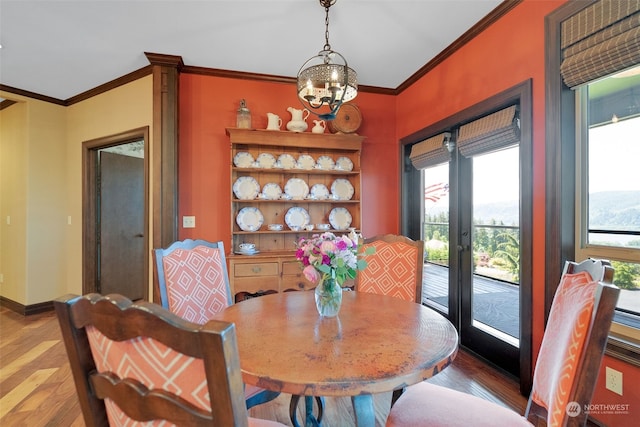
<point>121,260</point>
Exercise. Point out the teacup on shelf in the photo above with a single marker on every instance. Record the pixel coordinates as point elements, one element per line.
<point>247,247</point>
<point>323,227</point>
<point>308,227</point>
<point>275,227</point>
<point>295,227</point>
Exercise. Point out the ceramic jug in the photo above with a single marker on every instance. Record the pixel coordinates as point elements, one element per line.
<point>274,121</point>
<point>319,126</point>
<point>298,120</point>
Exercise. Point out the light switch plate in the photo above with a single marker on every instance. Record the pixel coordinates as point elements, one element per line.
<point>188,222</point>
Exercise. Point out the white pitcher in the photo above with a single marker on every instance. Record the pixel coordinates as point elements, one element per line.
<point>319,126</point>
<point>273,121</point>
<point>298,120</point>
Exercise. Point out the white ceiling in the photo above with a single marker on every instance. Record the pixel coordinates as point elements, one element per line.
<point>62,48</point>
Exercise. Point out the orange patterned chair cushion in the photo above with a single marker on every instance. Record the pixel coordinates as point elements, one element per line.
<point>196,285</point>
<point>391,270</point>
<point>154,365</point>
<point>157,367</point>
<point>562,345</point>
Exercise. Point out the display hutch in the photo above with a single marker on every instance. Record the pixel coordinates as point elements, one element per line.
<point>275,182</point>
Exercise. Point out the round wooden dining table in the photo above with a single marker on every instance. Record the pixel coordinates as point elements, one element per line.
<point>376,344</point>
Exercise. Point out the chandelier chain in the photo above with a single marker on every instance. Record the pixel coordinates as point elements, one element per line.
<point>327,5</point>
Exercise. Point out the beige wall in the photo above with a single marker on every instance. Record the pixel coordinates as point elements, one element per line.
<point>41,185</point>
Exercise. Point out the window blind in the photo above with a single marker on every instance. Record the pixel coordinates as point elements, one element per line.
<point>600,40</point>
<point>490,133</point>
<point>430,152</point>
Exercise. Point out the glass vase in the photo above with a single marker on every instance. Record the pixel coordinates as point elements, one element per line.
<point>328,297</point>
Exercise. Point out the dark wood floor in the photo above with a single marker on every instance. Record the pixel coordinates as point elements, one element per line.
<point>36,388</point>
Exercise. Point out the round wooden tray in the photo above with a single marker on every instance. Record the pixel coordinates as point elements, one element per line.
<point>348,119</point>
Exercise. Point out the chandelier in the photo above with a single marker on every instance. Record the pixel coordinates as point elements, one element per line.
<point>325,81</point>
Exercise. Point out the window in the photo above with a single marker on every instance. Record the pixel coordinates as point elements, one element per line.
<point>587,44</point>
<point>608,186</point>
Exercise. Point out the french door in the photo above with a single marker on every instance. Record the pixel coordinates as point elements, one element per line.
<point>488,265</point>
<point>475,216</point>
<point>477,286</point>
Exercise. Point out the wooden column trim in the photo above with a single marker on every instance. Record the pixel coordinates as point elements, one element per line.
<point>165,71</point>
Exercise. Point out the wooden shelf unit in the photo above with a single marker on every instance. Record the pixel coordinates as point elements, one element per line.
<point>275,266</point>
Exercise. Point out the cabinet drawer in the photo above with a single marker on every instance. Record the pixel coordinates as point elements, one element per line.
<point>255,269</point>
<point>298,283</point>
<point>255,284</point>
<point>291,268</point>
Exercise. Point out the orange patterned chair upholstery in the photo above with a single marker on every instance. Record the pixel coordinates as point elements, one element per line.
<point>394,269</point>
<point>566,370</point>
<point>192,281</point>
<point>139,363</point>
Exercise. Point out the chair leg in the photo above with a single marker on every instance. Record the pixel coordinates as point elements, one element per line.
<point>310,419</point>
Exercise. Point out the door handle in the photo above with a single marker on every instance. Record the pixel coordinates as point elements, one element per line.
<point>462,248</point>
<point>139,235</point>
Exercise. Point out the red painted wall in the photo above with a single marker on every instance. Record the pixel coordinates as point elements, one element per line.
<point>208,105</point>
<point>507,53</point>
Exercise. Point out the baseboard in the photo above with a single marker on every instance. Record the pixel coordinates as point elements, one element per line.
<point>26,310</point>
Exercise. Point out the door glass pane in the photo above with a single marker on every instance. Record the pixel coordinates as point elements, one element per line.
<point>436,237</point>
<point>496,244</point>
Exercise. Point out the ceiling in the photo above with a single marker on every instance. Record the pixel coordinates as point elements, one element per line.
<point>61,49</point>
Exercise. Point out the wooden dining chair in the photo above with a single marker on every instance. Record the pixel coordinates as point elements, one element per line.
<point>139,362</point>
<point>394,269</point>
<point>192,281</point>
<point>566,370</point>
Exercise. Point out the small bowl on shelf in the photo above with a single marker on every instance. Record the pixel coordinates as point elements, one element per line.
<point>308,227</point>
<point>295,227</point>
<point>275,227</point>
<point>323,227</point>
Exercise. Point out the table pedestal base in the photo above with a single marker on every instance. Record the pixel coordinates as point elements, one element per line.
<point>363,410</point>
<point>310,419</point>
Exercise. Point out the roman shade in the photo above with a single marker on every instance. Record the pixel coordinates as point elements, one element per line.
<point>430,152</point>
<point>602,39</point>
<point>490,133</point>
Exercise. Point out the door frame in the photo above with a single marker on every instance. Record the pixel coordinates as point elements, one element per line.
<point>412,210</point>
<point>89,203</point>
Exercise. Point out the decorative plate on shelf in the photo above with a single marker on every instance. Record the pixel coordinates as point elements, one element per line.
<point>271,191</point>
<point>344,164</point>
<point>243,159</point>
<point>296,189</point>
<point>340,218</point>
<point>306,162</point>
<point>319,192</point>
<point>325,163</point>
<point>342,189</point>
<point>297,217</point>
<point>266,160</point>
<point>249,219</point>
<point>286,161</point>
<point>246,188</point>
